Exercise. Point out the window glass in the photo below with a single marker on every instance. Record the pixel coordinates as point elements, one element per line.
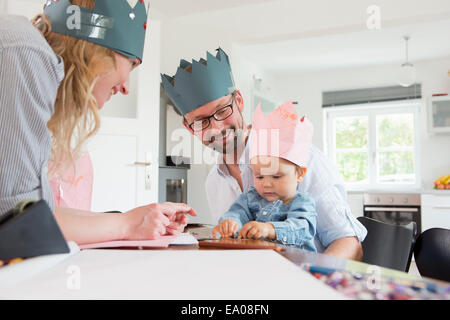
<point>351,134</point>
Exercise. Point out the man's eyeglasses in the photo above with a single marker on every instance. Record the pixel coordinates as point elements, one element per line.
<point>220,115</point>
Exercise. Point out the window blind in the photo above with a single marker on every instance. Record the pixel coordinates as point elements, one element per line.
<point>370,95</point>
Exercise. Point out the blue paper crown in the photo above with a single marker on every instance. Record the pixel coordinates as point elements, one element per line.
<point>113,24</point>
<point>209,80</point>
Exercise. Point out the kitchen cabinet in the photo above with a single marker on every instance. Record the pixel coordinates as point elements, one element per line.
<point>439,115</point>
<point>436,210</point>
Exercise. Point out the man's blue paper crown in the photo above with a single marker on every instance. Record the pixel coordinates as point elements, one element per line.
<point>114,24</point>
<point>209,80</point>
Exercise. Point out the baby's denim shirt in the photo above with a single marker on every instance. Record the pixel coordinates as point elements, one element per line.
<point>294,223</point>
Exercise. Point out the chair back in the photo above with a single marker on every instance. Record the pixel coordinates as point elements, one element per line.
<point>387,245</point>
<point>432,254</point>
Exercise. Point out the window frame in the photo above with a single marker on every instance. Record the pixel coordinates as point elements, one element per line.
<point>371,110</point>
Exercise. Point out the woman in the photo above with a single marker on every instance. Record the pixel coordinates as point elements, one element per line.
<point>53,81</point>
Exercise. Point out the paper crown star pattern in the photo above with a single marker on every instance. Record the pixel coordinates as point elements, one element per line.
<point>281,134</point>
<point>197,83</point>
<point>119,25</point>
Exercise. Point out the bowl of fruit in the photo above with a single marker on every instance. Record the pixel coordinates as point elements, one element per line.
<point>443,183</point>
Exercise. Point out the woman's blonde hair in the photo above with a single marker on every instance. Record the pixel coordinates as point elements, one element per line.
<point>76,117</point>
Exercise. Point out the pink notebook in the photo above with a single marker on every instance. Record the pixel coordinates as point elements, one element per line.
<point>162,242</point>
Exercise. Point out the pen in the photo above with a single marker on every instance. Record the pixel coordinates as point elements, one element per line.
<point>317,269</point>
<point>321,270</point>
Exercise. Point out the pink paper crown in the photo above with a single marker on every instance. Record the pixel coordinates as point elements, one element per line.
<point>281,134</point>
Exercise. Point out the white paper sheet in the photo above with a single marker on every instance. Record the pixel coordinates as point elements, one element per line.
<point>184,239</point>
<point>175,274</point>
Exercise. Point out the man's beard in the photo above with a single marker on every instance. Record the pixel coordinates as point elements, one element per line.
<point>234,138</point>
<point>231,147</point>
<point>234,144</point>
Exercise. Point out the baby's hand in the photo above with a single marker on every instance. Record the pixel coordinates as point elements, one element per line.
<point>257,230</point>
<point>227,228</point>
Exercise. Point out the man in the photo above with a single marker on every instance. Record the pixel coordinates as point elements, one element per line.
<point>205,94</point>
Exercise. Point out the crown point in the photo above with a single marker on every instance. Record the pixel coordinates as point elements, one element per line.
<point>188,91</point>
<point>126,16</point>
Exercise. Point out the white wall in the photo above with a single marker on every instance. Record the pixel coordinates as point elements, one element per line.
<point>28,8</point>
<point>244,70</point>
<point>190,37</point>
<point>307,88</point>
<point>3,6</point>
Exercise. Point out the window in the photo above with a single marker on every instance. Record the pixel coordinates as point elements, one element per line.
<point>375,146</point>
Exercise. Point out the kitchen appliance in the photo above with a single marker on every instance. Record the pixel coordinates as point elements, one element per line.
<point>396,209</point>
<point>173,184</point>
<point>173,170</point>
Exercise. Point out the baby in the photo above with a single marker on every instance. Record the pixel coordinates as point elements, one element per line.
<point>274,209</point>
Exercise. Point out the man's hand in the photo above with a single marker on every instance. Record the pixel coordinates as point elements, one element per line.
<point>226,228</point>
<point>155,220</point>
<point>257,230</point>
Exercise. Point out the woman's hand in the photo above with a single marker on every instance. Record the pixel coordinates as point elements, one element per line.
<point>257,230</point>
<point>178,224</point>
<point>155,220</point>
<point>226,228</point>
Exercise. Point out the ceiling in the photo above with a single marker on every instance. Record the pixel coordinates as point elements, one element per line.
<point>299,35</point>
<point>291,40</point>
<point>352,49</point>
<point>177,8</point>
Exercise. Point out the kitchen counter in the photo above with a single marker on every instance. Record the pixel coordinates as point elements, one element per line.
<point>404,191</point>
<point>436,192</point>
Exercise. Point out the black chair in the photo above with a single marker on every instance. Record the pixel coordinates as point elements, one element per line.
<point>387,245</point>
<point>432,254</point>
